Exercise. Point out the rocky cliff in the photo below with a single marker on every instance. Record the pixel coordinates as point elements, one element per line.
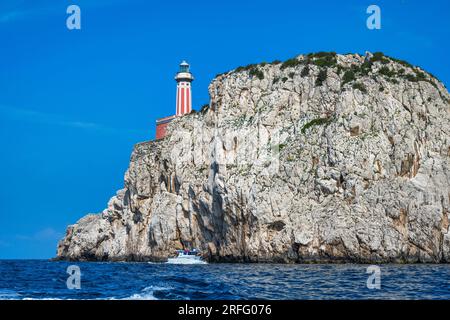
<point>321,158</point>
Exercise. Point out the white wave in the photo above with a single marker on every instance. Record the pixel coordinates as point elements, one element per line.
<point>185,261</point>
<point>145,294</point>
<point>140,296</point>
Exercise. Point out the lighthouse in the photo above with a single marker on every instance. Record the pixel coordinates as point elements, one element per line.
<point>184,80</point>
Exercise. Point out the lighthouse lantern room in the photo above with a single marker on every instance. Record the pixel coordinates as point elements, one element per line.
<point>184,98</point>
<point>184,79</point>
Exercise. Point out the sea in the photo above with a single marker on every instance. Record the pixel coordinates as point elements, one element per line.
<point>50,280</point>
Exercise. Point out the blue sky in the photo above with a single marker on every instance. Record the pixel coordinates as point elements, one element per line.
<point>73,103</point>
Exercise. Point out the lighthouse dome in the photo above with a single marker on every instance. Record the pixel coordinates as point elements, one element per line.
<point>184,73</point>
<point>184,66</point>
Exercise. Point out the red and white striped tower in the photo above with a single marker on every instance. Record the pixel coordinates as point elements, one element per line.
<point>184,95</point>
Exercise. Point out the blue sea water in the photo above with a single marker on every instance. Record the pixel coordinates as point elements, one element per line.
<point>39,279</point>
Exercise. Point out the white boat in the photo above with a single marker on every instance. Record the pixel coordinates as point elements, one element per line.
<point>187,257</point>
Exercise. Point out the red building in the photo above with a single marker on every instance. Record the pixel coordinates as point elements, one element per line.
<point>184,80</point>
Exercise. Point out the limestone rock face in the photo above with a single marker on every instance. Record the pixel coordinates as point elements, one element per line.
<point>323,158</point>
